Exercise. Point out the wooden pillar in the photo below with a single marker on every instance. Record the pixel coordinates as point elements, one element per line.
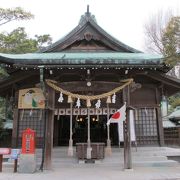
<point>127,142</point>
<point>15,128</point>
<point>160,127</point>
<point>178,136</point>
<point>89,149</point>
<point>70,148</point>
<point>127,134</point>
<point>15,122</point>
<point>108,148</point>
<point>159,119</point>
<point>49,128</point>
<point>1,162</point>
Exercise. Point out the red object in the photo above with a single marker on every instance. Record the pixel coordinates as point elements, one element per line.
<point>119,115</point>
<point>116,115</point>
<point>28,141</point>
<point>5,151</point>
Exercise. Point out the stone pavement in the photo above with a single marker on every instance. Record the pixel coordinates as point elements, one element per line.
<point>149,163</point>
<point>95,172</point>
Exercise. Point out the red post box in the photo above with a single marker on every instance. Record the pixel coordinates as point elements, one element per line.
<point>28,141</point>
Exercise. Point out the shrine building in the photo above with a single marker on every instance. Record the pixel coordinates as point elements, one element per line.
<point>78,82</point>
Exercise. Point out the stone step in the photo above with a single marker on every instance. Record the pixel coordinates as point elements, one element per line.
<point>143,157</point>
<point>135,158</point>
<point>113,157</point>
<point>169,163</point>
<point>102,163</point>
<point>58,152</point>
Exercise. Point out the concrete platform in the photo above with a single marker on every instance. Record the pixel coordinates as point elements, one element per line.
<point>143,157</point>
<point>148,164</point>
<point>93,172</point>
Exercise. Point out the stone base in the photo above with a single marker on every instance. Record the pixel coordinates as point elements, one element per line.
<point>70,148</point>
<point>70,151</point>
<point>89,149</point>
<point>108,150</point>
<point>128,170</point>
<point>27,163</point>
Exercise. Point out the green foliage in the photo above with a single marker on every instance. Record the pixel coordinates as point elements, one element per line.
<point>43,40</point>
<point>174,100</point>
<point>6,109</point>
<point>171,41</point>
<point>2,111</point>
<point>18,42</point>
<point>171,50</point>
<point>162,36</point>
<point>8,15</point>
<point>3,73</point>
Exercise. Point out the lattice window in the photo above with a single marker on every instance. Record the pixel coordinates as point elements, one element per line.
<point>146,126</point>
<point>33,119</point>
<point>171,136</point>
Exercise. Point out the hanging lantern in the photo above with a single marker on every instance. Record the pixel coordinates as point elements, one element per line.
<point>88,103</point>
<point>69,99</point>
<point>108,100</point>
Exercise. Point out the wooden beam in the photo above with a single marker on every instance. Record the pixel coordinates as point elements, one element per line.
<point>164,79</point>
<point>11,80</point>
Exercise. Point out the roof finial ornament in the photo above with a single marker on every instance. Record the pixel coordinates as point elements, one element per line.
<point>88,9</point>
<point>87,17</point>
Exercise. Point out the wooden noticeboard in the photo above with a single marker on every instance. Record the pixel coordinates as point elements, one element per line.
<point>31,98</point>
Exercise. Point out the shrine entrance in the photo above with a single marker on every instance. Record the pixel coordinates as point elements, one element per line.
<point>98,130</point>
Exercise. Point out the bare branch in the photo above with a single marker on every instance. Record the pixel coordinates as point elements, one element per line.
<point>154,31</point>
<point>8,15</point>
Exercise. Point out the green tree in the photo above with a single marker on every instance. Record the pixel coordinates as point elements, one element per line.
<point>171,41</point>
<point>162,36</point>
<point>175,100</point>
<point>8,15</point>
<point>2,111</point>
<point>18,42</point>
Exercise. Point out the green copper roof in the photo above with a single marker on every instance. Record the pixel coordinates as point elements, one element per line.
<point>81,58</point>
